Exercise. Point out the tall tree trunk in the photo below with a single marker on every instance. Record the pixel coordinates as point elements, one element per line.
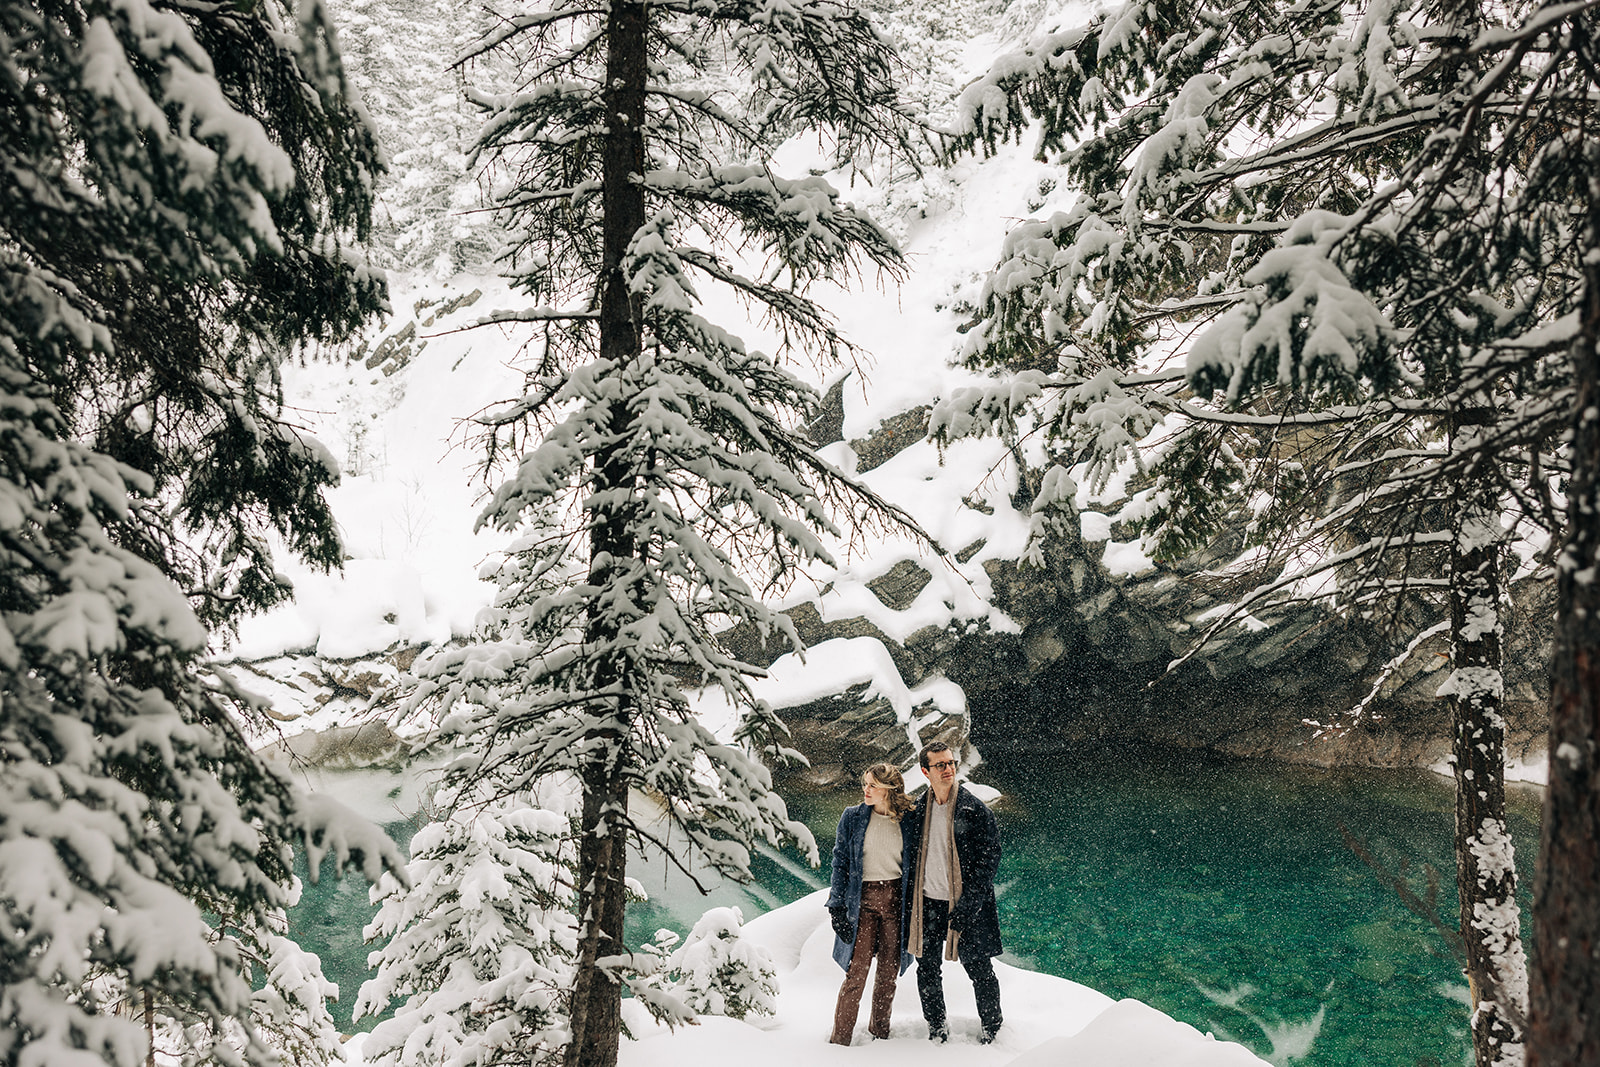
<point>1486,875</point>
<point>1564,1029</point>
<point>596,1006</point>
<point>596,1009</point>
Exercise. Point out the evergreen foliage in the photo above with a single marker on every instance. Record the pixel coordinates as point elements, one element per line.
<point>179,184</point>
<point>429,213</point>
<point>624,188</point>
<point>1318,286</point>
<point>480,946</point>
<point>1243,167</point>
<point>716,972</point>
<point>288,1006</point>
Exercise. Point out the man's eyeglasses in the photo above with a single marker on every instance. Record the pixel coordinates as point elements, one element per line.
<point>942,765</point>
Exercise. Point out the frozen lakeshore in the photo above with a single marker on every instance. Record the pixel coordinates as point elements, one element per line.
<point>1049,1021</point>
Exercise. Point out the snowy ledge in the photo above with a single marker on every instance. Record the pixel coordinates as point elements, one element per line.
<point>1532,769</point>
<point>1050,1022</point>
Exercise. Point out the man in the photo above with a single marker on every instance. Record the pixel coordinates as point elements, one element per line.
<point>954,851</point>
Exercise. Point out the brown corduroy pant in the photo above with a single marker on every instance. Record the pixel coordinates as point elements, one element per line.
<point>877,934</point>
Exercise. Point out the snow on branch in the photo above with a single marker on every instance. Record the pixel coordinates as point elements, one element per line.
<point>328,827</point>
<point>801,222</point>
<point>1303,325</point>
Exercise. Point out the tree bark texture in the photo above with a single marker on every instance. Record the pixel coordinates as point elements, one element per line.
<point>1486,876</point>
<point>1564,1027</point>
<point>596,1006</point>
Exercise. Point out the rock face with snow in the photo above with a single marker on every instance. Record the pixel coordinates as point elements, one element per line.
<point>844,734</point>
<point>1088,666</point>
<point>1086,659</point>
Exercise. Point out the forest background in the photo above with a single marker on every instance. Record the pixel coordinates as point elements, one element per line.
<point>1345,259</point>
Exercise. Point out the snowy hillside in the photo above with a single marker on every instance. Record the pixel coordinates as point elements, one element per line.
<point>396,414</point>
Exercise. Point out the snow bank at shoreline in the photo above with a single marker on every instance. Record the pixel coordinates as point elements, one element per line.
<point>1534,770</point>
<point>1049,1021</point>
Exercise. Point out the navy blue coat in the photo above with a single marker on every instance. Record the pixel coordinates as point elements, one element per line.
<point>845,891</point>
<point>978,846</point>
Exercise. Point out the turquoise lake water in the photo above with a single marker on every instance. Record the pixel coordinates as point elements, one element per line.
<point>1225,895</point>
<point>1222,893</point>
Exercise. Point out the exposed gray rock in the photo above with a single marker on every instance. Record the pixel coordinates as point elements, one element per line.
<point>893,436</point>
<point>899,585</point>
<point>1042,645</point>
<point>843,735</point>
<point>395,351</point>
<point>449,307</point>
<point>371,744</point>
<point>827,425</point>
<point>748,645</point>
<point>1090,667</point>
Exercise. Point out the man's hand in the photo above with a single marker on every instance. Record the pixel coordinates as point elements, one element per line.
<point>958,921</point>
<point>841,925</point>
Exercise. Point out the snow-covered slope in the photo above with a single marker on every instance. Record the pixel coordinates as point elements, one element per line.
<point>1049,1021</point>
<point>396,411</point>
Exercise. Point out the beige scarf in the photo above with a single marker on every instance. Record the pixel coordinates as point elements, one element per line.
<point>915,934</point>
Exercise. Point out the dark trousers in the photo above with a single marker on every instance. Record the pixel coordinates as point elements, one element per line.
<point>877,934</point>
<point>930,976</point>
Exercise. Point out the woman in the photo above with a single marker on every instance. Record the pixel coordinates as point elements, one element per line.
<point>865,899</point>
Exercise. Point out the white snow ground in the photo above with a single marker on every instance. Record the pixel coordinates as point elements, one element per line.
<point>1050,1022</point>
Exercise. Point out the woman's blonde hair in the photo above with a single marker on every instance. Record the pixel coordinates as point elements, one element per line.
<point>889,776</point>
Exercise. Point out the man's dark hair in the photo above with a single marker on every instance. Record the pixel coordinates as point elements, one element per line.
<point>928,749</point>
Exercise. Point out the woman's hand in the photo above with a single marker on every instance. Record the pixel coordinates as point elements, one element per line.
<point>841,925</point>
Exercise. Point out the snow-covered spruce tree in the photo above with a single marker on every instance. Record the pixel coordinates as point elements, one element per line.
<point>481,945</point>
<point>492,884</point>
<point>662,432</point>
<point>429,212</point>
<point>715,971</point>
<point>288,1004</point>
<point>177,183</point>
<point>288,1009</point>
<point>1349,225</point>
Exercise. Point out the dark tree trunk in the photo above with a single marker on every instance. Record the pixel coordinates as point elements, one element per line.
<point>596,1004</point>
<point>1564,1028</point>
<point>596,1012</point>
<point>1486,876</point>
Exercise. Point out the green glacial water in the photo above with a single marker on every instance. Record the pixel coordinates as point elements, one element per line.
<point>329,919</point>
<point>1222,893</point>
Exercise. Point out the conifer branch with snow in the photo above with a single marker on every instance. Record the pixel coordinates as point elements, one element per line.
<point>479,948</point>
<point>181,188</point>
<point>663,444</point>
<point>1339,225</point>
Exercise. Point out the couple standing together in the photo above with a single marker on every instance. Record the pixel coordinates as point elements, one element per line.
<point>915,879</point>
